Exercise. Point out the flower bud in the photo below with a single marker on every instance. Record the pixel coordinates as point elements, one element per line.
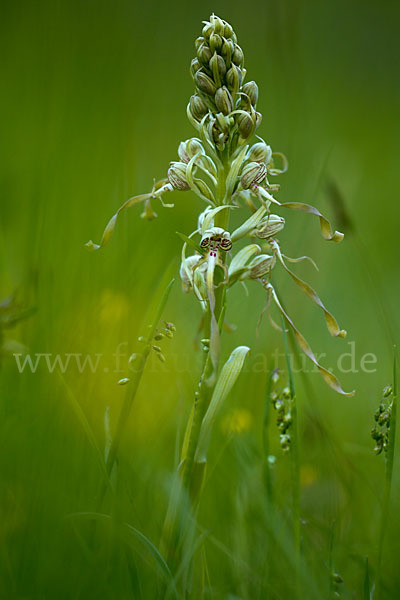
<point>246,125</point>
<point>202,216</point>
<point>205,83</point>
<point>223,100</point>
<point>269,226</point>
<point>234,78</point>
<point>215,42</point>
<point>194,66</point>
<point>194,146</point>
<point>227,51</point>
<point>198,42</point>
<point>177,176</point>
<point>205,190</point>
<point>238,56</point>
<point>189,148</point>
<point>261,265</point>
<point>204,54</point>
<point>186,271</point>
<point>217,66</point>
<point>228,31</point>
<point>251,89</point>
<point>198,108</point>
<point>260,152</point>
<point>218,24</point>
<point>208,29</point>
<point>253,173</point>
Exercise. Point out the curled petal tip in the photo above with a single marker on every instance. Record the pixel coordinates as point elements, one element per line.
<point>342,333</point>
<point>91,246</point>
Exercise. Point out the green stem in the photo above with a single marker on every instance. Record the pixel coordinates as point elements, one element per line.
<point>295,462</point>
<point>267,469</point>
<point>388,480</point>
<point>192,474</point>
<point>204,392</point>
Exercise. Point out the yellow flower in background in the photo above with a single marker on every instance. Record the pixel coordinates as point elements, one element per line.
<point>308,475</point>
<point>113,307</point>
<point>237,421</point>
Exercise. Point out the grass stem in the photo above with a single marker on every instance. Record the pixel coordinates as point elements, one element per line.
<point>388,481</point>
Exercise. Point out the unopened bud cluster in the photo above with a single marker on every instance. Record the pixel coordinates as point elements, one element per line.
<point>218,73</point>
<point>383,415</point>
<point>282,403</point>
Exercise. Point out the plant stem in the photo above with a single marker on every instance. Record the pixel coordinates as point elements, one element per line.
<point>267,476</point>
<point>295,462</point>
<point>388,480</point>
<point>204,392</point>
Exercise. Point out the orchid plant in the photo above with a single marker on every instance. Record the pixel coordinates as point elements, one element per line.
<point>228,171</point>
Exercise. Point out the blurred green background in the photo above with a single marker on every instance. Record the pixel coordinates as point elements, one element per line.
<point>93,108</point>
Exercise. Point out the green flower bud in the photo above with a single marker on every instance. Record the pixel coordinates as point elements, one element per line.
<point>198,108</point>
<point>234,78</point>
<point>204,54</point>
<point>194,66</point>
<point>189,148</point>
<point>194,146</point>
<point>205,83</point>
<point>208,29</point>
<point>218,24</point>
<point>261,265</point>
<point>205,190</point>
<point>177,176</point>
<point>251,89</point>
<point>228,31</point>
<point>246,125</point>
<point>217,66</point>
<point>238,56</point>
<point>215,42</point>
<point>252,174</point>
<point>260,152</point>
<point>223,100</point>
<point>186,271</point>
<point>269,226</point>
<point>227,50</point>
<point>198,42</point>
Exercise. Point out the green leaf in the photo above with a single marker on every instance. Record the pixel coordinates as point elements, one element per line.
<point>249,225</point>
<point>240,260</point>
<point>229,374</point>
<point>234,172</point>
